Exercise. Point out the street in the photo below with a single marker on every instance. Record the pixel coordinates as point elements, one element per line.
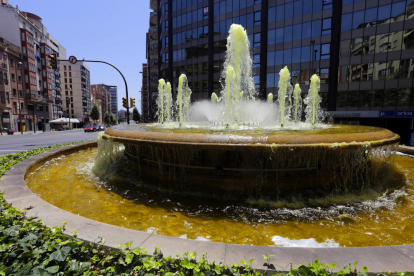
<point>17,143</point>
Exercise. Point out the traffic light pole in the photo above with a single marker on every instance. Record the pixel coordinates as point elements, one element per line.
<point>126,86</point>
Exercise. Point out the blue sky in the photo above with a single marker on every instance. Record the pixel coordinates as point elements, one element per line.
<point>109,30</point>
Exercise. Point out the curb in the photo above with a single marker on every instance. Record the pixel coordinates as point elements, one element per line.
<point>377,259</point>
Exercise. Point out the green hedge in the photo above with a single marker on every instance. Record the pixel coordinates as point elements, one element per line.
<point>28,247</point>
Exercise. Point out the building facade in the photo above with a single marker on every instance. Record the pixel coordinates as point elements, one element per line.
<point>40,88</point>
<point>362,50</point>
<point>102,97</point>
<point>113,91</point>
<point>145,102</point>
<point>77,97</point>
<point>152,75</point>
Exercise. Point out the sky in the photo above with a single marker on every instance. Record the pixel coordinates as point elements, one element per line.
<point>108,30</point>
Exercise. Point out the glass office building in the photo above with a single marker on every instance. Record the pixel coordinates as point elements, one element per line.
<point>361,49</point>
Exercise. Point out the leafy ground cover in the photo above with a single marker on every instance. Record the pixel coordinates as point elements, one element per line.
<point>28,247</point>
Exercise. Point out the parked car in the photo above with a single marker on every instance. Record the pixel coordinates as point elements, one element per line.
<point>100,127</point>
<point>90,129</point>
<point>9,131</point>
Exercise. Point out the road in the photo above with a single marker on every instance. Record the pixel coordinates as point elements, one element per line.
<point>15,143</point>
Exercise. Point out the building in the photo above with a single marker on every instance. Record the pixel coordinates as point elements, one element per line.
<point>362,50</point>
<point>122,115</point>
<point>77,97</point>
<point>40,88</point>
<point>145,102</point>
<point>149,108</point>
<point>113,90</point>
<point>11,86</point>
<point>101,93</point>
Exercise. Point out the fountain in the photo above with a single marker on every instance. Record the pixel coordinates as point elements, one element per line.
<point>236,169</point>
<point>241,144</point>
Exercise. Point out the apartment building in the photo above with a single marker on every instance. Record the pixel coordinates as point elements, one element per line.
<point>113,90</point>
<point>40,90</point>
<point>145,102</point>
<point>76,88</point>
<point>102,96</point>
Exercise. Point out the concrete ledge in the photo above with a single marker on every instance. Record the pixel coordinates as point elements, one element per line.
<point>377,259</point>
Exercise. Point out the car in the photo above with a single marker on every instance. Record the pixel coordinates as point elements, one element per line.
<point>90,129</point>
<point>100,127</point>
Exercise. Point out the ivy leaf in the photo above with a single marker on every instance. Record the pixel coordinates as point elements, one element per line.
<point>79,267</point>
<point>12,231</point>
<point>24,271</point>
<point>39,272</point>
<point>129,257</point>
<point>53,269</point>
<point>60,254</point>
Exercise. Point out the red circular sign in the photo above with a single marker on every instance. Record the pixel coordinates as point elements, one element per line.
<point>73,59</point>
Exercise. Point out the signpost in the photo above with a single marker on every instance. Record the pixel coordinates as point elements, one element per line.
<point>73,60</point>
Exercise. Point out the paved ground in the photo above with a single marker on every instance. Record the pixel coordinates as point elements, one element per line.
<point>17,142</point>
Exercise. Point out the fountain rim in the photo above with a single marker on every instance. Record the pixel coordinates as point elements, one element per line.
<point>380,137</point>
<point>377,258</point>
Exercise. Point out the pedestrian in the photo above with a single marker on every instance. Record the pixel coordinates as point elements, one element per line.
<point>412,138</point>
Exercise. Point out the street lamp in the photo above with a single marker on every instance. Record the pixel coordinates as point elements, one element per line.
<point>315,60</point>
<point>18,97</point>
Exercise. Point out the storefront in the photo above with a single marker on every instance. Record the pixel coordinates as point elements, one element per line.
<point>400,122</point>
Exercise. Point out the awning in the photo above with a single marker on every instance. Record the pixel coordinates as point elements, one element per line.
<point>64,121</point>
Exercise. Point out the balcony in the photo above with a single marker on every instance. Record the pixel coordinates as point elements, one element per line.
<point>3,66</point>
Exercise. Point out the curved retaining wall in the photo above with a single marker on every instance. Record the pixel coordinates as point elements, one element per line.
<point>378,259</point>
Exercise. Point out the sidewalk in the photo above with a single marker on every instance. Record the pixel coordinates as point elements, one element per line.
<point>40,132</point>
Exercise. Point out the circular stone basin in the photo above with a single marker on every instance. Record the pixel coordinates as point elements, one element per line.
<point>367,218</point>
<point>259,161</point>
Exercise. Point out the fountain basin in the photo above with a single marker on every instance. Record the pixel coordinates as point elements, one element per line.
<point>343,157</point>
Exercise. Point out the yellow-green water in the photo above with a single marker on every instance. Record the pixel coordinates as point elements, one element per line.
<point>370,219</point>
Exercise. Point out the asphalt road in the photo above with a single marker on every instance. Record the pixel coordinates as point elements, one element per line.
<point>16,143</point>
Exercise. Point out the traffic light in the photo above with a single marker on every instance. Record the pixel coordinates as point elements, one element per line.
<point>34,117</point>
<point>132,102</point>
<point>125,102</point>
<point>53,61</point>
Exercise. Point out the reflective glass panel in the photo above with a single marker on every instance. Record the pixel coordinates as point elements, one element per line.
<point>271,38</point>
<point>287,57</point>
<point>297,7</point>
<point>272,14</point>
<point>297,31</point>
<point>279,35</point>
<point>316,28</point>
<point>346,24</point>
<point>384,12</point>
<point>306,54</point>
<point>289,10</point>
<point>358,20</point>
<point>271,59</point>
<point>296,55</point>
<point>280,12</point>
<point>278,57</point>
<point>288,33</point>
<point>371,15</point>
<point>306,29</point>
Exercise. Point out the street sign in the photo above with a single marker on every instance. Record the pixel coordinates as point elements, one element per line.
<point>73,59</point>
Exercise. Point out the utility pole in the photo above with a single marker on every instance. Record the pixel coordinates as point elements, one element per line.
<point>18,98</point>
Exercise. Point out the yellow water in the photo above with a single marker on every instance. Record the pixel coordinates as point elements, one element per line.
<point>370,219</point>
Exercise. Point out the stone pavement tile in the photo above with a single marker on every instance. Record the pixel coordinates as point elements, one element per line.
<point>12,180</point>
<point>113,235</point>
<point>406,250</point>
<point>281,262</point>
<point>12,192</point>
<point>377,258</point>
<point>171,246</point>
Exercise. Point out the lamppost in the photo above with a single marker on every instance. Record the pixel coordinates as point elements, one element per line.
<point>315,60</point>
<point>18,97</point>
<point>68,104</point>
<point>313,46</point>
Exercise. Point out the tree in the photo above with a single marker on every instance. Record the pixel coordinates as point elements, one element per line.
<point>95,114</point>
<point>107,118</point>
<point>135,115</point>
<point>113,119</point>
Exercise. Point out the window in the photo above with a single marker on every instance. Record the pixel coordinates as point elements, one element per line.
<point>326,26</point>
<point>257,18</point>
<point>256,61</point>
<point>316,28</point>
<point>270,80</point>
<point>279,35</point>
<point>327,4</point>
<point>256,81</point>
<point>306,54</point>
<point>288,33</point>
<point>307,30</point>
<point>297,31</point>
<point>358,20</point>
<point>64,67</point>
<point>271,59</point>
<point>278,57</point>
<point>325,51</point>
<point>256,40</point>
<point>384,12</point>
<point>346,22</point>
<point>14,92</point>
<point>272,14</point>
<point>7,97</point>
<point>297,8</point>
<point>271,38</point>
<point>2,98</point>
<point>371,15</point>
<point>280,12</point>
<point>11,63</point>
<point>70,68</point>
<point>13,77</point>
